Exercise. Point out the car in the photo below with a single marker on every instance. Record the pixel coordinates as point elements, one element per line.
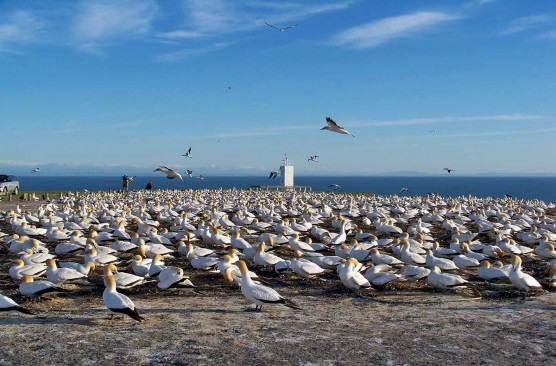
<point>9,183</point>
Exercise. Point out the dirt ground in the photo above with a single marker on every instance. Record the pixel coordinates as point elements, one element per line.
<point>398,325</point>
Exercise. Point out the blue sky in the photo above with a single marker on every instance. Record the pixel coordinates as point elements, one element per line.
<point>124,86</point>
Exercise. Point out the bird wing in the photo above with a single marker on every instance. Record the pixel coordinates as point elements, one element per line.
<point>291,26</point>
<point>266,294</point>
<point>163,169</point>
<point>271,26</point>
<point>331,123</point>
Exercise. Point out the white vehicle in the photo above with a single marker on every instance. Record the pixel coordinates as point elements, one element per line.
<point>9,183</point>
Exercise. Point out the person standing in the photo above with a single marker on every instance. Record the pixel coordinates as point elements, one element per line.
<point>125,182</point>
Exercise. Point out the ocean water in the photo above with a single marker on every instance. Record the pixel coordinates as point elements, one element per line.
<point>543,188</point>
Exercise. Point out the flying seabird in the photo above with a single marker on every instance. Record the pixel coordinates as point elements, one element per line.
<point>187,153</point>
<point>332,126</point>
<point>281,29</point>
<point>36,170</point>
<point>313,158</point>
<point>190,173</point>
<point>200,176</point>
<point>273,175</point>
<point>449,170</point>
<point>170,174</point>
<point>404,189</point>
<point>335,186</point>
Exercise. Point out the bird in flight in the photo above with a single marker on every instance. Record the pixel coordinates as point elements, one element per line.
<point>200,177</point>
<point>131,178</point>
<point>189,173</point>
<point>36,170</point>
<point>313,158</point>
<point>335,186</point>
<point>449,170</point>
<point>273,175</point>
<point>170,174</point>
<point>187,153</point>
<point>280,29</point>
<point>332,126</point>
<point>404,189</point>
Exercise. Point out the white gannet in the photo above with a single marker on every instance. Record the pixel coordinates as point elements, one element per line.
<point>61,275</point>
<point>173,277</point>
<point>7,304</point>
<point>123,280</point>
<point>487,272</point>
<point>263,258</point>
<point>332,126</point>
<point>409,257</point>
<point>84,268</point>
<point>29,287</point>
<point>351,278</point>
<point>303,267</point>
<point>118,303</point>
<point>140,266</point>
<point>414,272</point>
<point>187,153</point>
<point>444,280</point>
<point>522,281</point>
<point>379,258</point>
<point>170,174</point>
<point>19,269</point>
<point>442,263</point>
<point>259,294</point>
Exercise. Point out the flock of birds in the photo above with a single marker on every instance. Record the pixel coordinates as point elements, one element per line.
<point>364,242</point>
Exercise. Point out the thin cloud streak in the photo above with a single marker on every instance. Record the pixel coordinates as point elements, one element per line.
<point>441,120</point>
<point>84,129</point>
<point>378,32</point>
<point>526,23</point>
<point>189,52</point>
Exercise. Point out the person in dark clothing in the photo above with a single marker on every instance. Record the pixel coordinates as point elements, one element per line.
<point>149,186</point>
<point>125,182</point>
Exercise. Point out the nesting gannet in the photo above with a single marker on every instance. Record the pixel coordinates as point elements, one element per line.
<point>123,279</point>
<point>173,277</point>
<point>29,287</point>
<point>259,294</point>
<point>380,275</point>
<point>7,304</point>
<point>409,257</point>
<point>140,266</point>
<point>522,281</point>
<point>84,268</point>
<point>19,269</point>
<point>279,28</point>
<point>414,272</point>
<point>61,275</point>
<point>332,126</point>
<point>303,267</point>
<point>351,278</point>
<point>442,263</point>
<point>487,272</point>
<point>444,280</point>
<point>118,303</point>
<point>380,258</point>
<point>263,258</point>
<point>34,258</point>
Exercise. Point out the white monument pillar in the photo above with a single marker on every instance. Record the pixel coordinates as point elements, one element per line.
<point>286,172</point>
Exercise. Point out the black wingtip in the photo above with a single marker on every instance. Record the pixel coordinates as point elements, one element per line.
<point>24,311</point>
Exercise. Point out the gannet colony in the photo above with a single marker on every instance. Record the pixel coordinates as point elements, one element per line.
<point>106,243</point>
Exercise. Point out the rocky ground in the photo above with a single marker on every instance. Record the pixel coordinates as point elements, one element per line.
<point>405,323</point>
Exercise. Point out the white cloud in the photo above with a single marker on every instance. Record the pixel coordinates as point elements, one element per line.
<point>188,52</point>
<point>20,27</point>
<point>97,21</point>
<point>449,119</point>
<point>378,32</point>
<point>219,16</point>
<point>526,23</point>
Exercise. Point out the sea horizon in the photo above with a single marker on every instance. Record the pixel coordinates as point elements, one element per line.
<point>523,187</point>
